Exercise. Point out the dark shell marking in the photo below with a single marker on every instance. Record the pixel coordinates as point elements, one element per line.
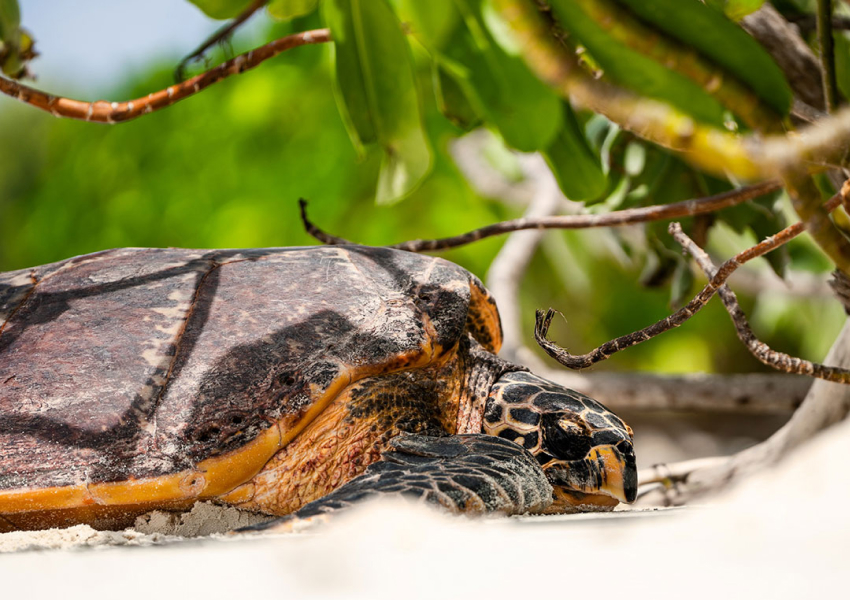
<point>143,362</point>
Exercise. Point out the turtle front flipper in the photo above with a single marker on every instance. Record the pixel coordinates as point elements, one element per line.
<point>472,473</point>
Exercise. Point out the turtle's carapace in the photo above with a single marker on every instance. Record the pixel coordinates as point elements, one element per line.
<point>134,379</point>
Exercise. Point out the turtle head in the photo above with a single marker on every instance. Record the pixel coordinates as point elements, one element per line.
<point>585,450</point>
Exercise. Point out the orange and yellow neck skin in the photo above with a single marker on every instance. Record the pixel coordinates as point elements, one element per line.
<point>585,450</point>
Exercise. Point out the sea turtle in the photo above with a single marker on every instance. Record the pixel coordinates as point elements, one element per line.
<point>290,381</point>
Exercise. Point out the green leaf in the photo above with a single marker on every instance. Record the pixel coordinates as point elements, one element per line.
<point>377,91</point>
<point>632,69</point>
<point>722,41</point>
<point>842,62</point>
<point>575,166</point>
<point>16,45</point>
<point>498,84</point>
<point>222,9</point>
<point>736,9</point>
<point>452,101</point>
<point>432,21</point>
<point>284,10</point>
<point>10,20</point>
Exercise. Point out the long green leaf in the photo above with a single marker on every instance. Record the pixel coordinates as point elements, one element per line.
<point>575,166</point>
<point>289,9</point>
<point>10,20</point>
<point>452,100</point>
<point>501,87</point>
<point>16,46</point>
<point>642,74</point>
<point>221,9</point>
<point>712,34</point>
<point>735,9</point>
<point>377,91</point>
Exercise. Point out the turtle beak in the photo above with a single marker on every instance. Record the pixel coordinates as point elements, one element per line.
<point>607,472</point>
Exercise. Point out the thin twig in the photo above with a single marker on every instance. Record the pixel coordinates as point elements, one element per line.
<point>220,35</point>
<point>827,54</point>
<point>777,360</point>
<point>115,112</point>
<point>677,210</point>
<point>583,361</point>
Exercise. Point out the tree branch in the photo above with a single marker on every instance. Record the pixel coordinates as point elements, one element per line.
<point>650,42</point>
<point>676,210</point>
<point>102,111</point>
<point>777,360</point>
<point>217,37</point>
<point>790,52</point>
<point>749,157</point>
<point>745,393</point>
<point>543,320</point>
<point>825,403</point>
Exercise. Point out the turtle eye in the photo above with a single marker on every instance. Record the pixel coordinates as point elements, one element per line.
<point>570,427</point>
<point>563,438</point>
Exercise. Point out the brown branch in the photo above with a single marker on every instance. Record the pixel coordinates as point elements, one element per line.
<point>825,404</point>
<point>686,208</point>
<point>220,35</point>
<point>790,51</point>
<point>103,111</point>
<point>777,360</point>
<point>311,229</point>
<point>583,361</point>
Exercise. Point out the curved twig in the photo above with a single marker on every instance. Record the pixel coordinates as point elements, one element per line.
<point>583,361</point>
<point>221,34</point>
<point>677,210</point>
<point>103,111</point>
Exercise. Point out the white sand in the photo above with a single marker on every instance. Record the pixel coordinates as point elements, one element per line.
<point>785,534</point>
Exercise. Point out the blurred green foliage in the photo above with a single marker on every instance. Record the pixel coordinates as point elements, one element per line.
<point>226,168</point>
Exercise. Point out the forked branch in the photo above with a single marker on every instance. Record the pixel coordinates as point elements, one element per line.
<point>777,360</point>
<point>677,210</point>
<point>103,111</point>
<point>717,280</point>
<point>219,36</point>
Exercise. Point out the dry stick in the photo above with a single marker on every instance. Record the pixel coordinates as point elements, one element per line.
<point>686,208</point>
<point>114,112</point>
<point>777,360</point>
<point>220,35</point>
<point>583,361</point>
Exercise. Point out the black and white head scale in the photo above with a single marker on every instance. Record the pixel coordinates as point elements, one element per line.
<point>532,411</point>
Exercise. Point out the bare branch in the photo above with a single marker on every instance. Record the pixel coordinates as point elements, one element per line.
<point>220,35</point>
<point>604,351</point>
<point>790,51</point>
<point>825,404</point>
<point>686,208</point>
<point>103,111</point>
<point>744,393</point>
<point>777,360</point>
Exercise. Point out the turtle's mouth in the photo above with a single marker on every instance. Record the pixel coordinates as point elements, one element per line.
<point>604,475</point>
